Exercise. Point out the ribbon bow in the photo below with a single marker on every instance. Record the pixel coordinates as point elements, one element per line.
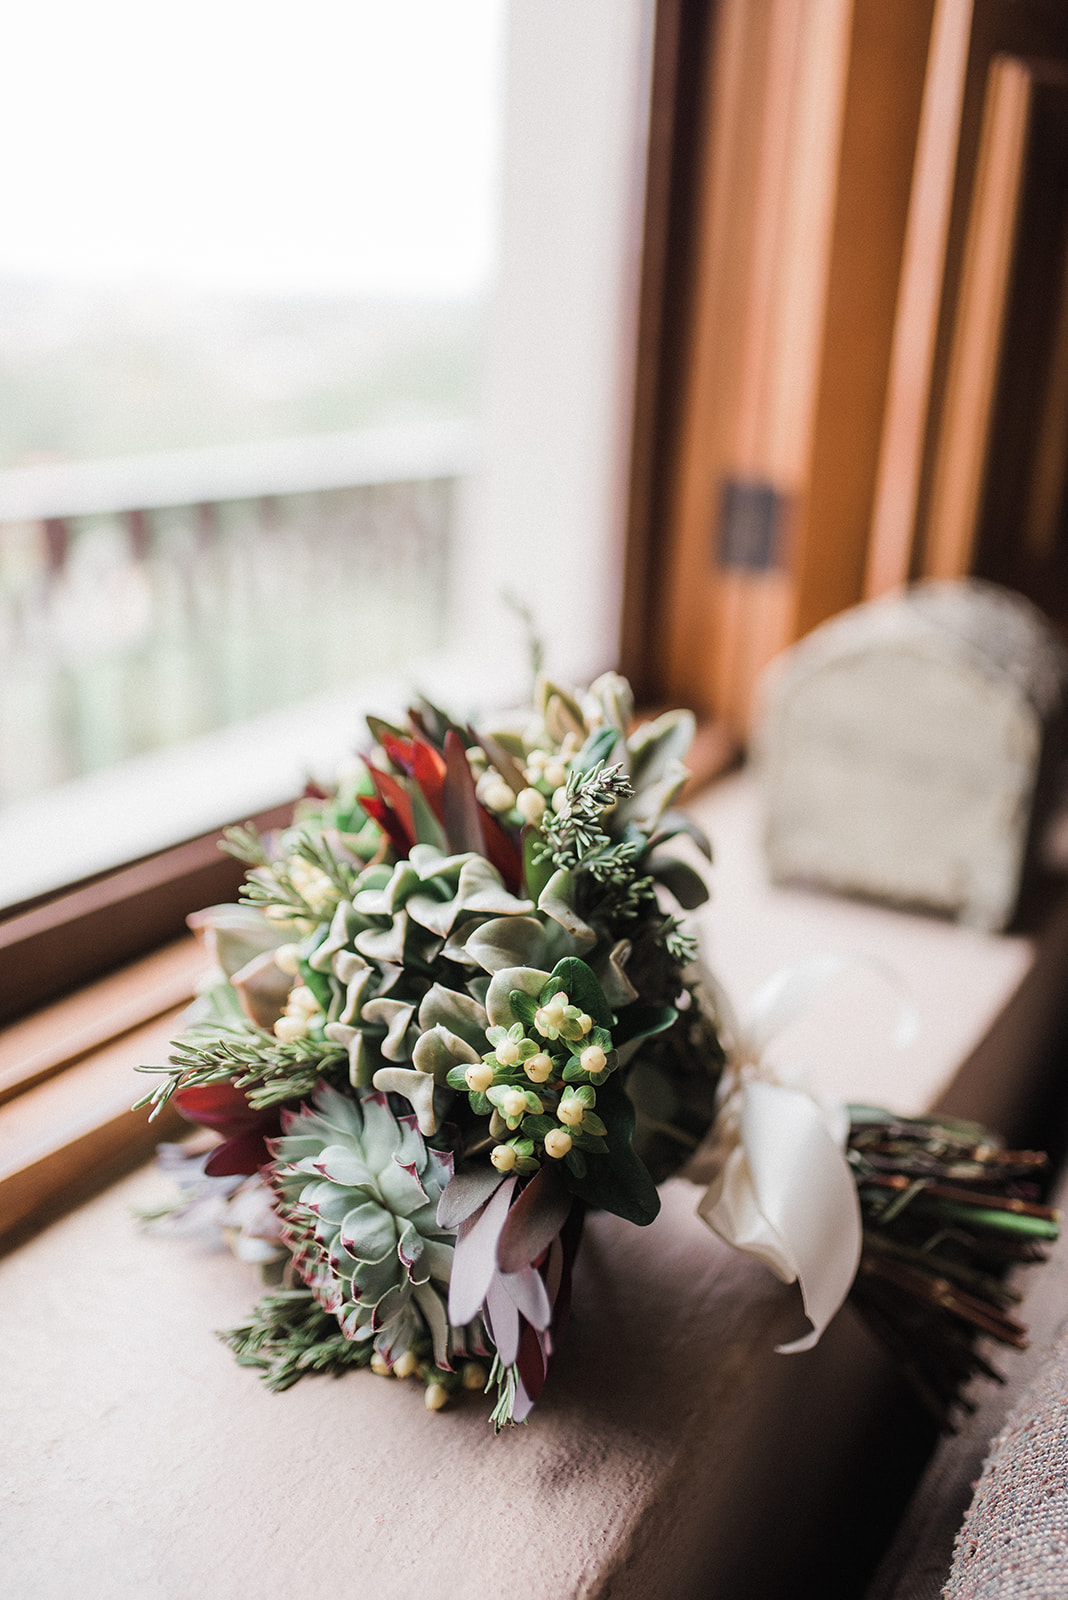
<point>783,1189</point>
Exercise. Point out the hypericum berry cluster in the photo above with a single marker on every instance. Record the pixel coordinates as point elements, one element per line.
<point>534,781</point>
<point>538,1085</point>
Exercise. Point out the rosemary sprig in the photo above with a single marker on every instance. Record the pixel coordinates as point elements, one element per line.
<point>289,1335</point>
<point>272,1070</point>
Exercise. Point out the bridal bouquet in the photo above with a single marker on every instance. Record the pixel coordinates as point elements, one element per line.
<point>459,1005</point>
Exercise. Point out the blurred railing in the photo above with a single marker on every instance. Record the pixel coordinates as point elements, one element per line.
<point>147,600</point>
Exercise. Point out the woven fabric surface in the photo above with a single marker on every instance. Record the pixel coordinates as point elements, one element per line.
<point>918,1562</point>
<point>1014,1541</point>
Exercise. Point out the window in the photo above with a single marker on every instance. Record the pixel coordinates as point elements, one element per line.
<point>244,284</point>
<point>540,517</point>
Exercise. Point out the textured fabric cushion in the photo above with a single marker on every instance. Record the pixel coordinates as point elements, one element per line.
<point>917,1564</point>
<point>1014,1542</point>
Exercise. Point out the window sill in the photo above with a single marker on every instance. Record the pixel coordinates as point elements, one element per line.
<point>67,1084</point>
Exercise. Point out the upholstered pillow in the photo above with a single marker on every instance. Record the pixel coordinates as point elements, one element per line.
<point>1014,1540</point>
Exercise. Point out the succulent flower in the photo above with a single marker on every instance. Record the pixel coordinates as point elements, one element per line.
<point>357,1192</point>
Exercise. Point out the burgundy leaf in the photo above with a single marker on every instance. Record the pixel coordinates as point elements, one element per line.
<point>553,1270</point>
<point>389,822</point>
<point>535,1220</point>
<point>398,750</point>
<point>429,769</point>
<point>244,1153</point>
<point>393,794</point>
<point>216,1105</point>
<point>533,1363</point>
<point>503,852</point>
<point>462,816</point>
<point>245,1131</point>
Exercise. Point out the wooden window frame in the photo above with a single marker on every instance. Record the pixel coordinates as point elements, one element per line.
<point>95,978</point>
<point>797,318</point>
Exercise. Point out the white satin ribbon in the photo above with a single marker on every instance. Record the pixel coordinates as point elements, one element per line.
<point>783,1191</point>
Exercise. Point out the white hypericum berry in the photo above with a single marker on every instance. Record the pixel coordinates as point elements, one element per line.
<point>571,1111</point>
<point>557,1143</point>
<point>473,1375</point>
<point>286,957</point>
<point>513,1104</point>
<point>436,1396</point>
<point>539,1068</point>
<point>503,1157</point>
<point>300,1000</point>
<point>593,1059</point>
<point>493,792</point>
<point>289,1028</point>
<point>406,1364</point>
<point>479,1077</point>
<point>556,774</point>
<point>550,1018</point>
<point>531,806</point>
<point>585,1023</point>
<point>380,1365</point>
<point>560,801</point>
<point>508,1052</point>
<point>311,883</point>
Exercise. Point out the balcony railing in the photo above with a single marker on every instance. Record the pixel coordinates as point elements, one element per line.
<point>147,600</point>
